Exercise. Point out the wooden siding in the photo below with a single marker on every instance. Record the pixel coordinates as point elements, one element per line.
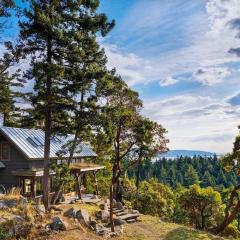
<point>17,161</point>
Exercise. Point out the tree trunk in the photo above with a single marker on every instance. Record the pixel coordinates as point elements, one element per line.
<point>229,216</point>
<point>4,119</point>
<point>138,174</point>
<point>48,126</point>
<point>78,186</point>
<point>73,147</point>
<point>111,208</point>
<point>46,164</point>
<point>228,219</point>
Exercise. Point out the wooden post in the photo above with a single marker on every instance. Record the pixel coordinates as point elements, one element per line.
<point>78,185</point>
<point>95,183</point>
<point>84,180</point>
<point>51,183</point>
<point>21,185</point>
<point>33,192</point>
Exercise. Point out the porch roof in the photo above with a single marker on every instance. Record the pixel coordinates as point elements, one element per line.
<point>29,172</point>
<point>85,167</point>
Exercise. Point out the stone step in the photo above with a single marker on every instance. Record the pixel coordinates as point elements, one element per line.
<point>129,216</point>
<point>122,213</point>
<point>118,211</point>
<point>131,220</point>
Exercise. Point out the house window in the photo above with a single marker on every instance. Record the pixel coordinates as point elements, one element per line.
<point>5,152</point>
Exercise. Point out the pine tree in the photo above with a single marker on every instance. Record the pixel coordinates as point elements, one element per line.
<point>47,33</point>
<point>179,178</point>
<point>8,81</point>
<point>207,180</point>
<point>85,68</point>
<point>163,174</point>
<point>221,179</point>
<point>5,8</point>
<point>190,176</point>
<point>171,179</point>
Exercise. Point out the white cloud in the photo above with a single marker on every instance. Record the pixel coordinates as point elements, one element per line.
<point>132,68</point>
<point>212,75</point>
<point>167,81</point>
<point>196,122</point>
<point>208,48</point>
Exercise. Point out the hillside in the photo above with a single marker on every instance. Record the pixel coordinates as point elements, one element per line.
<point>19,220</point>
<point>185,153</point>
<point>149,228</point>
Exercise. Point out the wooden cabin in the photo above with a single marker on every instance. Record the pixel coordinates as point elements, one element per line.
<point>21,160</point>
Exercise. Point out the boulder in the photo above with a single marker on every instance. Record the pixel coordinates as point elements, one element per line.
<point>3,205</point>
<point>70,213</point>
<point>101,230</point>
<point>20,228</point>
<point>40,209</point>
<point>11,203</point>
<point>23,201</point>
<point>82,216</point>
<point>119,222</point>
<point>119,205</point>
<point>103,215</point>
<point>133,211</point>
<point>8,203</point>
<point>93,224</point>
<point>103,206</point>
<point>114,202</point>
<point>58,224</point>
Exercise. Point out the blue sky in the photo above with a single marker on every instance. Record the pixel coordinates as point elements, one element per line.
<point>175,53</point>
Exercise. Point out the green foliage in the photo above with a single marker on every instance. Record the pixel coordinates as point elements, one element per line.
<point>190,176</point>
<point>179,215</point>
<point>153,198</point>
<point>231,230</point>
<point>5,7</point>
<point>62,173</point>
<point>4,233</point>
<point>187,171</point>
<point>201,204</point>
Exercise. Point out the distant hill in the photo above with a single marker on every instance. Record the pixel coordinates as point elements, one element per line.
<point>185,153</point>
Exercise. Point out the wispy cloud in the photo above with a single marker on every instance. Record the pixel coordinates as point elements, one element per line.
<point>208,48</point>
<point>211,75</point>
<point>196,122</point>
<point>168,81</point>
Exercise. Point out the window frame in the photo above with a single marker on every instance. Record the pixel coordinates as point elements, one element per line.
<point>8,146</point>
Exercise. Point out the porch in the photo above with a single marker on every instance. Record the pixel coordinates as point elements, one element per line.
<point>80,170</point>
<point>30,180</point>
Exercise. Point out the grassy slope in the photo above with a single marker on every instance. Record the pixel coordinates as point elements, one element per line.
<point>149,228</point>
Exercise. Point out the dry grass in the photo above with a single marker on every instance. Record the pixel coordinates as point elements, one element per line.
<point>152,228</point>
<point>12,194</point>
<point>148,228</point>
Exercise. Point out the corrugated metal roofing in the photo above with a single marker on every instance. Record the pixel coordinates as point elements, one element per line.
<point>20,137</point>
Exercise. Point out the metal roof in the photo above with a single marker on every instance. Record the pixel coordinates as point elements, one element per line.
<point>20,137</point>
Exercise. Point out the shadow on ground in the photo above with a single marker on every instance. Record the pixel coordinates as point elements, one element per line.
<point>182,233</point>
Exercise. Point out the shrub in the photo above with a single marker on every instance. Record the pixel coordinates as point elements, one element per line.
<point>202,205</point>
<point>231,230</point>
<point>153,198</point>
<point>4,227</point>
